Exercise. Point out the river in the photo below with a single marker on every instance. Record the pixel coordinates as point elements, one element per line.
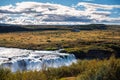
<point>21,59</point>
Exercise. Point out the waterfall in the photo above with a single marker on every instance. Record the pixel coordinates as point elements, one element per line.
<point>22,59</point>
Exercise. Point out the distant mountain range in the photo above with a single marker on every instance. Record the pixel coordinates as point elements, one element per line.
<point>4,28</point>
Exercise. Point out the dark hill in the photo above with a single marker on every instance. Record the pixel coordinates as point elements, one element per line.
<point>4,28</point>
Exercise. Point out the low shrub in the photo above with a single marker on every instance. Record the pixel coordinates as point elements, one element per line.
<point>82,70</point>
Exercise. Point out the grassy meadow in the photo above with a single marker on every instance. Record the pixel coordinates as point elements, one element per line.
<point>59,39</point>
<point>93,48</point>
<point>84,42</point>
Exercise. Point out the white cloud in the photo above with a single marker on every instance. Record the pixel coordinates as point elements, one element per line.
<point>92,9</point>
<point>41,13</point>
<point>97,6</point>
<point>88,0</point>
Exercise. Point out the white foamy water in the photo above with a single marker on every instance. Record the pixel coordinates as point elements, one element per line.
<point>22,59</point>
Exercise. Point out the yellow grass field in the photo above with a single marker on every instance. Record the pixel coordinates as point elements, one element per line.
<point>61,37</point>
<point>78,43</point>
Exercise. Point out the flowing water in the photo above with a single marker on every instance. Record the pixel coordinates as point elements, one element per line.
<point>22,59</point>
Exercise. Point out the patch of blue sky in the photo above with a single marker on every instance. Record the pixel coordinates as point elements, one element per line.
<point>115,13</point>
<point>63,2</point>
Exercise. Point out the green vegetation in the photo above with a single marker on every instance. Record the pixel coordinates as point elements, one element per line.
<point>82,70</point>
<point>51,48</point>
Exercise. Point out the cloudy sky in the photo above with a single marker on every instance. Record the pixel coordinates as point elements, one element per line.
<point>59,11</point>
